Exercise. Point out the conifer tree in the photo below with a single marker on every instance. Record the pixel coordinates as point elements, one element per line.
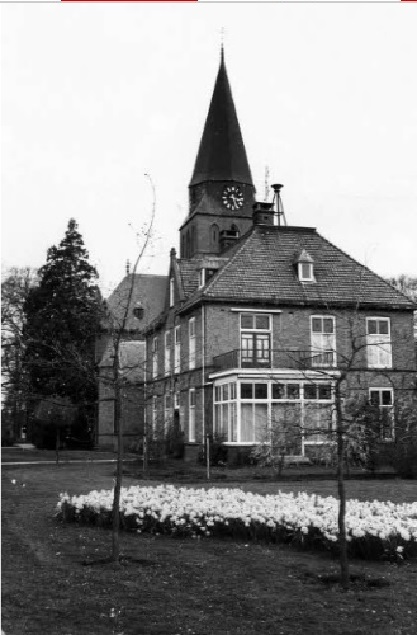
<point>62,320</point>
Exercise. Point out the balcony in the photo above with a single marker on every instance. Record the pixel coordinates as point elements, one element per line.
<point>273,358</point>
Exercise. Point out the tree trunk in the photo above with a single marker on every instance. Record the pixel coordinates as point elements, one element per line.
<point>145,443</point>
<point>119,475</point>
<point>344,564</point>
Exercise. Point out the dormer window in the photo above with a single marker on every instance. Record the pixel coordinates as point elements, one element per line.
<point>305,266</point>
<point>138,311</point>
<point>305,271</point>
<point>204,275</point>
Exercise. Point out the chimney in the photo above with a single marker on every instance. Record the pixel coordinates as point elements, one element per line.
<point>279,207</point>
<point>263,213</point>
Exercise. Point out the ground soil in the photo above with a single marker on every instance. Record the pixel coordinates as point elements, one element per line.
<point>168,586</point>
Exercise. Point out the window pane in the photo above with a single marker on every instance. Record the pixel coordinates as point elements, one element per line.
<point>278,391</point>
<point>246,424</point>
<point>192,398</point>
<point>310,391</point>
<point>232,387</point>
<point>317,325</point>
<point>217,419</point>
<point>327,325</point>
<point>293,391</point>
<point>305,270</point>
<point>217,393</point>
<point>372,327</point>
<point>261,430</point>
<point>246,321</point>
<point>262,322</point>
<point>233,423</point>
<point>246,391</point>
<point>247,347</point>
<point>325,392</point>
<point>383,327</point>
<point>225,419</point>
<point>386,398</point>
<point>225,392</point>
<point>261,391</point>
<point>374,397</point>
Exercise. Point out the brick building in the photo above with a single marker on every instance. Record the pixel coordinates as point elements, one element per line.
<point>260,318</point>
<point>147,301</point>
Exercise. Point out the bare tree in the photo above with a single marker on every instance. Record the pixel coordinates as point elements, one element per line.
<point>117,324</point>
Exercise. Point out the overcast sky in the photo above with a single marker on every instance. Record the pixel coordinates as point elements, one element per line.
<point>95,95</point>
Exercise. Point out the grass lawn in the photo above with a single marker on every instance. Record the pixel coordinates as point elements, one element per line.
<point>171,586</point>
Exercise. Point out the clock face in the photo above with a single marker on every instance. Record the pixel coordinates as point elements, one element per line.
<point>232,197</point>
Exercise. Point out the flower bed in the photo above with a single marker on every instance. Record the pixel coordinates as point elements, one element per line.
<point>374,529</point>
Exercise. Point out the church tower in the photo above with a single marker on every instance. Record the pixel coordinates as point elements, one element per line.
<point>221,191</point>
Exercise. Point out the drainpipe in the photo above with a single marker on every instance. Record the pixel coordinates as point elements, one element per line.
<point>204,368</point>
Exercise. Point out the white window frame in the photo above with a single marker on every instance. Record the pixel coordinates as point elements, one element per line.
<point>154,415</point>
<point>301,276</point>
<point>177,400</point>
<point>254,331</point>
<point>382,407</point>
<point>318,343</point>
<point>226,394</point>
<point>171,291</point>
<point>234,399</point>
<point>201,278</point>
<point>154,357</point>
<point>191,415</point>
<point>191,343</point>
<point>177,352</point>
<point>378,346</point>
<point>167,410</point>
<point>167,352</point>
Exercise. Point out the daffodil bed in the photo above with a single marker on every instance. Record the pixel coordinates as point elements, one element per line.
<point>374,529</point>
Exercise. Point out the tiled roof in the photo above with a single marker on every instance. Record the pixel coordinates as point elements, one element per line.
<point>148,289</point>
<point>222,154</point>
<point>189,270</point>
<point>262,269</point>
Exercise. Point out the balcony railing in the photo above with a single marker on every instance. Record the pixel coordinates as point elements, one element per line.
<point>274,358</point>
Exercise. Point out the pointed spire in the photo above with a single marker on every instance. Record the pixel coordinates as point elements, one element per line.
<point>222,154</point>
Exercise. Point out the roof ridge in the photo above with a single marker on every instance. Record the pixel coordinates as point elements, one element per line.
<point>366,268</point>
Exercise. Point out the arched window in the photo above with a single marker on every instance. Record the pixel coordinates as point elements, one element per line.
<point>214,236</point>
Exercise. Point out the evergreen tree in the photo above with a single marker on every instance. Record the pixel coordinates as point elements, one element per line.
<point>62,320</point>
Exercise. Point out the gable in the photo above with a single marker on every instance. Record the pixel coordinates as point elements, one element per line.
<point>148,291</point>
